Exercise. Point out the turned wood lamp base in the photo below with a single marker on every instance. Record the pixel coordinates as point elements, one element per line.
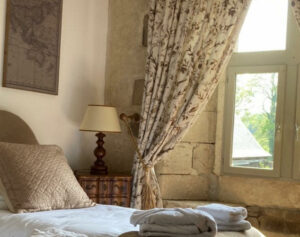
<point>99,166</point>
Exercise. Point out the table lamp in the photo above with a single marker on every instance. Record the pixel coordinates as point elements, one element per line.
<point>99,119</point>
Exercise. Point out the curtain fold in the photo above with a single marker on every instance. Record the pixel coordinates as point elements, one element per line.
<point>296,9</point>
<point>190,43</point>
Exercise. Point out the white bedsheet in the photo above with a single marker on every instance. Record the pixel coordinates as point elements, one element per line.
<point>98,221</point>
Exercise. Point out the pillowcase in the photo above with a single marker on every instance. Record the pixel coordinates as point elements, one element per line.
<point>38,178</point>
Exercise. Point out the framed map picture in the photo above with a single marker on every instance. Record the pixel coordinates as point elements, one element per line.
<point>32,45</point>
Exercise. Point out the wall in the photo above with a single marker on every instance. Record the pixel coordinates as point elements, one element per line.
<point>264,192</point>
<point>56,119</point>
<point>186,174</point>
<point>193,170</point>
<point>190,164</point>
<point>125,64</point>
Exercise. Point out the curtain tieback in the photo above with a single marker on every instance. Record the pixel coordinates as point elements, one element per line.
<point>148,196</point>
<point>147,171</point>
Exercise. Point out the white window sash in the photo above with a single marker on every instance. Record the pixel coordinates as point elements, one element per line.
<point>229,119</point>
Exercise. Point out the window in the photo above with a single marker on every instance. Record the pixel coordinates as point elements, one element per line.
<point>255,120</point>
<point>255,123</point>
<point>262,107</point>
<point>264,30</point>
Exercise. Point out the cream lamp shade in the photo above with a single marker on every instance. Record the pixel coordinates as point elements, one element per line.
<point>100,118</point>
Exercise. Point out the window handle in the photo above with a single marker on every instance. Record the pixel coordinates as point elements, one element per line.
<point>297,132</point>
<point>278,128</point>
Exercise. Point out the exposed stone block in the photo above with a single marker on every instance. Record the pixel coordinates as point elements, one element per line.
<point>254,211</point>
<point>183,204</point>
<point>184,187</point>
<point>259,192</point>
<point>203,158</point>
<point>293,216</point>
<point>273,234</point>
<point>275,219</point>
<point>179,161</point>
<point>274,212</point>
<point>213,187</point>
<point>293,227</point>
<point>271,223</point>
<point>204,129</point>
<point>253,221</point>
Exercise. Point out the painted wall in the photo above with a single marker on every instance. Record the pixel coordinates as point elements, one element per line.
<point>55,119</point>
<point>125,64</point>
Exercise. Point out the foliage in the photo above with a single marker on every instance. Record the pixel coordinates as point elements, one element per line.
<point>260,121</point>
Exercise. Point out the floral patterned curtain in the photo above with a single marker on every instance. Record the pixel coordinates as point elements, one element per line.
<point>190,43</point>
<point>296,9</point>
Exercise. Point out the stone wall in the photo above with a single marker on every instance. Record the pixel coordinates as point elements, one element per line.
<point>186,173</point>
<point>191,163</point>
<point>193,171</point>
<point>273,222</point>
<point>249,190</point>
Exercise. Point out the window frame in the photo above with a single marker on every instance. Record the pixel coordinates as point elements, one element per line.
<point>229,119</point>
<point>290,148</point>
<point>296,170</point>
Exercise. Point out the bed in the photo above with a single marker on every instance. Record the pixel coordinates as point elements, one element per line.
<point>98,221</point>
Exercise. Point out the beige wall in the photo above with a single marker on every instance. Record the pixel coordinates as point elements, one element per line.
<point>125,64</point>
<point>55,119</point>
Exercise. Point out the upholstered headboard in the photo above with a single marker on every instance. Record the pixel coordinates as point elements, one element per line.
<point>14,130</point>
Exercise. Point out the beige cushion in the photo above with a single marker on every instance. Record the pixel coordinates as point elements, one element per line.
<point>38,178</point>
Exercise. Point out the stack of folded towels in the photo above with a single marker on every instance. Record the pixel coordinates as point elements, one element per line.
<point>203,221</point>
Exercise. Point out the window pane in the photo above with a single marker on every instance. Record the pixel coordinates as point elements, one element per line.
<point>265,26</point>
<point>254,120</point>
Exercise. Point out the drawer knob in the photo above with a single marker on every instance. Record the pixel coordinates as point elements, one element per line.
<point>90,186</point>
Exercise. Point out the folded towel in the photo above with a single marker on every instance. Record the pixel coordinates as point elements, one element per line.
<point>227,218</point>
<point>174,222</point>
<point>238,226</point>
<point>225,214</point>
<point>172,230</point>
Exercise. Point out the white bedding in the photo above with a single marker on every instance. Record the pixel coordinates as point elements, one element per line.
<point>98,221</point>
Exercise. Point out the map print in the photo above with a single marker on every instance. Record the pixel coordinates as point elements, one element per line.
<point>32,45</point>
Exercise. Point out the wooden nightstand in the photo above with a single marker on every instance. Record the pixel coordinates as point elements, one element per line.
<point>106,189</point>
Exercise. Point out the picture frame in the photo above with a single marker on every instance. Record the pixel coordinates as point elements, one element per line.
<point>32,45</point>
